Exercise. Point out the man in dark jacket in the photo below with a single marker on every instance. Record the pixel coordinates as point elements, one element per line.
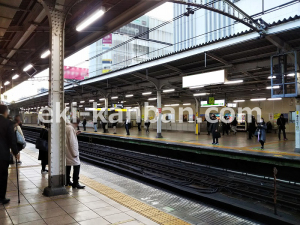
<point>7,141</point>
<point>84,123</point>
<point>281,126</point>
<point>215,129</point>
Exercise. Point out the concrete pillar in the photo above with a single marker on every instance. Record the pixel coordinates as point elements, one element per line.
<point>159,110</point>
<point>106,107</point>
<point>297,125</point>
<point>56,180</point>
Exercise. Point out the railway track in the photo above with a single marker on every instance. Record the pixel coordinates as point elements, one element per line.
<point>190,177</point>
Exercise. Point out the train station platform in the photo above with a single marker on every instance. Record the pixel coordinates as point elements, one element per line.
<point>107,199</point>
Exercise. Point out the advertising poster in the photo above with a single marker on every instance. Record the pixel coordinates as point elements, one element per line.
<point>75,73</point>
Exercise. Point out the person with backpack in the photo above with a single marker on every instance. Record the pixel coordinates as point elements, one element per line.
<point>281,127</point>
<point>8,141</point>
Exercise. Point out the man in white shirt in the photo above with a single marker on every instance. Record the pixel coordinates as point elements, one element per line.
<point>127,125</point>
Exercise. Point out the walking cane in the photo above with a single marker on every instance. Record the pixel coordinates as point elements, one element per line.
<point>18,180</point>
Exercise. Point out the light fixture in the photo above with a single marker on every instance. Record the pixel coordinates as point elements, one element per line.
<point>168,90</point>
<point>167,105</point>
<point>45,54</point>
<point>66,103</point>
<point>196,87</point>
<point>291,75</point>
<point>174,104</point>
<point>98,104</point>
<point>74,103</point>
<point>273,87</point>
<point>115,97</point>
<point>234,82</point>
<point>82,101</point>
<point>128,96</point>
<point>271,77</point>
<point>6,83</point>
<point>186,104</point>
<point>1,87</point>
<point>89,20</point>
<point>91,100</point>
<point>80,106</point>
<point>199,94</point>
<point>257,99</point>
<point>147,93</point>
<point>15,76</point>
<point>151,99</point>
<point>102,99</point>
<point>26,68</point>
<point>238,100</point>
<point>150,106</point>
<point>274,99</point>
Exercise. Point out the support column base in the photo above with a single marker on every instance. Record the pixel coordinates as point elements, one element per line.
<point>159,135</point>
<point>297,150</point>
<point>49,191</point>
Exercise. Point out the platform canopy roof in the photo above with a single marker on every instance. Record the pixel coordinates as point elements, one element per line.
<point>24,30</point>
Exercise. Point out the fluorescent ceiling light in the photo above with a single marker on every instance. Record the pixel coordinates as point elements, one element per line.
<point>102,99</point>
<point>168,90</point>
<point>98,104</point>
<point>291,75</point>
<point>257,99</point>
<point>128,96</point>
<point>174,104</point>
<point>274,99</point>
<point>89,20</point>
<point>66,103</point>
<point>147,93</point>
<point>274,87</point>
<point>167,105</point>
<point>196,87</point>
<point>199,94</point>
<point>74,103</point>
<point>270,77</point>
<point>27,67</point>
<point>6,83</point>
<point>115,97</point>
<point>82,101</point>
<point>92,100</point>
<point>45,54</point>
<point>238,100</point>
<point>151,99</point>
<point>15,77</point>
<point>234,82</point>
<point>80,106</point>
<point>186,104</point>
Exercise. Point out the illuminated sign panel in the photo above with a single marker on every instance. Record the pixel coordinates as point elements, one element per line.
<point>203,79</point>
<point>217,103</point>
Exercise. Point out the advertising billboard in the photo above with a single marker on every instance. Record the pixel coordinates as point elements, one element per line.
<point>75,73</point>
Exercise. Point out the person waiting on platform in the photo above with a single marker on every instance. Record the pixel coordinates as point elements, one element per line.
<point>127,125</point>
<point>138,121</point>
<point>225,126</point>
<point>84,123</point>
<point>251,127</point>
<point>104,124</point>
<point>18,127</point>
<point>233,125</point>
<point>95,123</point>
<point>114,124</point>
<point>8,141</point>
<point>72,154</point>
<point>43,153</point>
<point>215,129</point>
<point>262,127</point>
<point>281,127</point>
<point>208,126</point>
<point>147,124</point>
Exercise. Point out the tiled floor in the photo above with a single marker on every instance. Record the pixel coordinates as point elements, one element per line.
<point>86,207</point>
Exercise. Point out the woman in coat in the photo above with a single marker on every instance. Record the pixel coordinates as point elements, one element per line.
<point>43,155</point>
<point>262,133</point>
<point>214,129</point>
<point>72,154</point>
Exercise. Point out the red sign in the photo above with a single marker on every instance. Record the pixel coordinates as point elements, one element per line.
<point>107,39</point>
<point>159,110</point>
<point>75,73</point>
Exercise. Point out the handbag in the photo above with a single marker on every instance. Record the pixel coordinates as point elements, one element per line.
<point>20,138</point>
<point>257,132</point>
<point>41,144</point>
<point>217,134</point>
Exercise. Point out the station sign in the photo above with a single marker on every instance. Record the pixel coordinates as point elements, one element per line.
<point>204,79</point>
<point>217,103</point>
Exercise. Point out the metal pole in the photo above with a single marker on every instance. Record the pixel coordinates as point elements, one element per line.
<point>56,15</point>
<point>159,114</point>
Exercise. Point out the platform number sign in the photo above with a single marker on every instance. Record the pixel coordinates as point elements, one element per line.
<point>211,100</point>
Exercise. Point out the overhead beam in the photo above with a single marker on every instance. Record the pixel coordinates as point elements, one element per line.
<point>212,55</point>
<point>174,69</point>
<point>279,43</point>
<point>13,7</point>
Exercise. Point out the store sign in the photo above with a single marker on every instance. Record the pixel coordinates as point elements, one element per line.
<point>75,73</point>
<point>216,104</point>
<point>107,39</point>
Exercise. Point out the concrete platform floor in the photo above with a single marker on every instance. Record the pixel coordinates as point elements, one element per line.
<point>238,142</point>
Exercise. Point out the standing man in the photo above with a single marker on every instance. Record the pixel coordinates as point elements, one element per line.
<point>84,123</point>
<point>72,154</point>
<point>114,124</point>
<point>233,125</point>
<point>95,123</point>
<point>7,141</point>
<point>127,125</point>
<point>281,127</point>
<point>138,121</point>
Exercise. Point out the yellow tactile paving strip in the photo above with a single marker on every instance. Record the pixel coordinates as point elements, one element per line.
<point>142,208</point>
<point>248,148</point>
